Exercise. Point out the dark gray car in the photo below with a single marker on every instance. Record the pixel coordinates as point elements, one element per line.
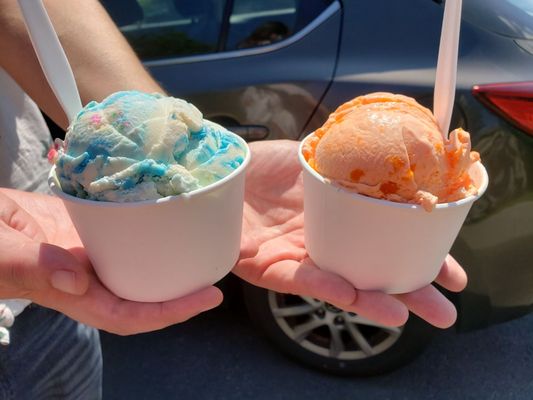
<point>276,69</point>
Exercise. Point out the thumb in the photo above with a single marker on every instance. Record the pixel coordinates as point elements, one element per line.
<point>249,244</point>
<point>33,269</point>
<point>249,247</point>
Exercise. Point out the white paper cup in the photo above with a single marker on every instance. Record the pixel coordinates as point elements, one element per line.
<point>378,244</point>
<point>158,250</point>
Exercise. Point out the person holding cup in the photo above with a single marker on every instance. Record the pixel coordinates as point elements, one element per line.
<point>41,257</point>
<point>38,259</point>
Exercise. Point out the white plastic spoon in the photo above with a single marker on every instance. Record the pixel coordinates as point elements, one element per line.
<point>446,76</point>
<point>51,56</point>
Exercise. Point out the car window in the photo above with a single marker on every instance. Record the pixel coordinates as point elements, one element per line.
<point>168,28</point>
<point>256,23</point>
<point>171,28</point>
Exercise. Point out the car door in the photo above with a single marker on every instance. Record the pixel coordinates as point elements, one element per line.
<point>259,67</point>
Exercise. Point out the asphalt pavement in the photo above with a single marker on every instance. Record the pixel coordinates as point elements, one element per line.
<point>220,355</point>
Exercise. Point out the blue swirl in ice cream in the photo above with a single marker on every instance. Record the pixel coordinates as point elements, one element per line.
<point>135,146</point>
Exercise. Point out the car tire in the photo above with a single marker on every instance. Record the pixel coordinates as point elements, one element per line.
<point>288,321</point>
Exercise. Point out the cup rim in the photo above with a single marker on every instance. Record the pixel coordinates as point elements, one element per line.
<point>54,185</point>
<point>388,203</point>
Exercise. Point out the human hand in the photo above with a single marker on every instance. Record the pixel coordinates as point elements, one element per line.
<point>42,259</point>
<point>274,217</point>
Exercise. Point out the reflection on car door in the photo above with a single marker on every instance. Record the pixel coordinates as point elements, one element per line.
<point>258,67</point>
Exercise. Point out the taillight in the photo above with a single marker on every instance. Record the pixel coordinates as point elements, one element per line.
<point>513,101</point>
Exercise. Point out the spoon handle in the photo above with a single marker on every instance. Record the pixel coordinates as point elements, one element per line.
<point>51,56</point>
<point>446,75</point>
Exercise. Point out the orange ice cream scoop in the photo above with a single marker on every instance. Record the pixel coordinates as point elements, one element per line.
<point>388,146</point>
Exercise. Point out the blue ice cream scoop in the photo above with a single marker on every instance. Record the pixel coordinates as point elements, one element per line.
<point>136,146</point>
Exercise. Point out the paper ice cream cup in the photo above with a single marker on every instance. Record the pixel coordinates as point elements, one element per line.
<point>378,244</point>
<point>158,250</point>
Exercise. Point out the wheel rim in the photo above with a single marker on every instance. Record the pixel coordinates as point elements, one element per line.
<point>328,331</point>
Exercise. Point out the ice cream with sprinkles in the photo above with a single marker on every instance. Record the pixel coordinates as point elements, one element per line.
<point>136,146</point>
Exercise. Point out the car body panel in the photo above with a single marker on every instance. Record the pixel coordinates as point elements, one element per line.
<point>264,86</point>
<point>495,244</point>
<point>511,18</point>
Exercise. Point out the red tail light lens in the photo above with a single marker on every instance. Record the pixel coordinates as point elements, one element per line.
<point>513,101</point>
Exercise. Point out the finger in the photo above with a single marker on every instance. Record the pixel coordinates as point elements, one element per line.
<point>249,247</point>
<point>81,254</point>
<point>125,317</point>
<point>18,219</point>
<point>179,310</point>
<point>452,276</point>
<point>431,305</point>
<point>304,279</point>
<point>271,252</point>
<point>28,267</point>
<point>378,307</point>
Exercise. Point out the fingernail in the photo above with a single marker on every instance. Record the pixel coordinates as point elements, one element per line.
<point>64,281</point>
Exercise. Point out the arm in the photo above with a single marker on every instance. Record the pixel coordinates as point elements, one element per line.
<point>100,57</point>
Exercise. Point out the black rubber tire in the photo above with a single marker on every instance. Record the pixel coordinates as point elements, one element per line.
<point>414,339</point>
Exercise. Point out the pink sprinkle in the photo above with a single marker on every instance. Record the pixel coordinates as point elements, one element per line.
<point>53,152</point>
<point>52,155</point>
<point>96,119</point>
